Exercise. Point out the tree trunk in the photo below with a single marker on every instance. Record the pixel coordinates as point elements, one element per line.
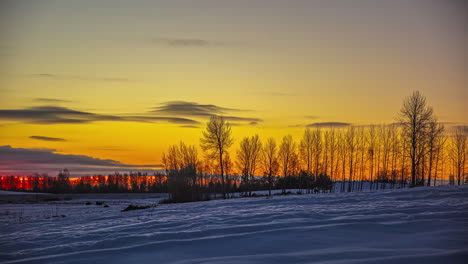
<point>222,174</point>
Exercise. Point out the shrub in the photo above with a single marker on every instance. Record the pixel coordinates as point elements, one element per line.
<point>136,207</point>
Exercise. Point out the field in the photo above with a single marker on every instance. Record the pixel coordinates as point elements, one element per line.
<point>420,225</point>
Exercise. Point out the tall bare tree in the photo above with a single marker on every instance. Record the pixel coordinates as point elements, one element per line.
<point>248,156</point>
<point>415,117</point>
<point>371,151</point>
<point>306,149</point>
<point>330,138</point>
<point>216,139</point>
<point>270,161</point>
<point>435,131</point>
<point>458,152</point>
<point>286,154</point>
<point>351,145</point>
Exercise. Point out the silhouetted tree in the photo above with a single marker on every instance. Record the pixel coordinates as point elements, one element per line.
<point>270,161</point>
<point>216,140</point>
<point>248,155</point>
<point>415,117</point>
<point>458,152</point>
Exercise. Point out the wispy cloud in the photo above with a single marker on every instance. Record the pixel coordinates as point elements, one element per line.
<point>311,117</point>
<point>329,124</point>
<point>47,138</point>
<point>28,160</point>
<point>187,42</point>
<point>10,155</point>
<point>51,100</point>
<point>80,78</point>
<point>192,109</point>
<point>63,115</point>
<point>182,113</point>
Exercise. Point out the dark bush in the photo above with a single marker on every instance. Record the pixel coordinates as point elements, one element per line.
<point>137,207</point>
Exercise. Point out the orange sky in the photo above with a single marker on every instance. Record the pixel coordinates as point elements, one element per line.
<point>122,81</point>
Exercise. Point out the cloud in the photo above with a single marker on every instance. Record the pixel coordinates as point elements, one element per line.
<point>28,161</point>
<point>151,119</point>
<point>189,126</point>
<point>329,124</point>
<point>80,78</point>
<point>242,119</point>
<point>311,117</point>
<point>63,115</point>
<point>47,138</point>
<point>187,42</point>
<point>10,155</point>
<point>177,112</point>
<point>192,109</point>
<point>51,100</point>
<point>253,123</point>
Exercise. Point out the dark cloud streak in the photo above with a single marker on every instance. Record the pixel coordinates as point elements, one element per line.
<point>329,124</point>
<point>51,100</point>
<point>10,155</point>
<point>63,115</point>
<point>192,109</point>
<point>48,138</point>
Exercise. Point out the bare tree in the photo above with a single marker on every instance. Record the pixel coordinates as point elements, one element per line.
<point>317,150</point>
<point>216,140</point>
<point>248,157</point>
<point>415,117</point>
<point>385,134</point>
<point>181,164</point>
<point>306,149</point>
<point>269,161</point>
<point>435,130</point>
<point>459,152</point>
<point>371,150</point>
<point>330,138</point>
<point>350,141</point>
<point>342,151</point>
<point>440,154</point>
<point>228,165</point>
<point>362,152</point>
<point>286,152</point>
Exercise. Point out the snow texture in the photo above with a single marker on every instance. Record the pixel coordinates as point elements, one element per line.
<point>420,225</point>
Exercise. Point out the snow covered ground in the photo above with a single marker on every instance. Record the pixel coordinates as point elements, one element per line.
<point>420,225</point>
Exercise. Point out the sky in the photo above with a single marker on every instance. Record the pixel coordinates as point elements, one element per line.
<point>114,83</point>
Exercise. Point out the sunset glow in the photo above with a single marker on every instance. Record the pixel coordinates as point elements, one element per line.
<point>122,81</point>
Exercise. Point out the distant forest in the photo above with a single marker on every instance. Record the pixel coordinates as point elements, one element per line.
<point>416,150</point>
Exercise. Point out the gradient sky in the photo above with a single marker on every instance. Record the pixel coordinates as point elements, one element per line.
<point>122,80</point>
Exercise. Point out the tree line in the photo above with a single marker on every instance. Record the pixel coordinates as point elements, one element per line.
<point>416,150</point>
